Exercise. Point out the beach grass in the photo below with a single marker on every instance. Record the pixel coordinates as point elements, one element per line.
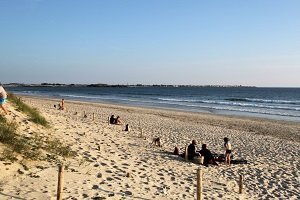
<point>57,147</point>
<point>29,147</point>
<point>14,142</point>
<point>33,113</point>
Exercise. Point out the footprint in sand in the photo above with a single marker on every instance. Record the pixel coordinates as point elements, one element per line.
<point>231,185</point>
<point>143,176</point>
<point>95,187</point>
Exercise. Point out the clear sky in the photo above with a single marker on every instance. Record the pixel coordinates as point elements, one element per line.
<point>214,42</point>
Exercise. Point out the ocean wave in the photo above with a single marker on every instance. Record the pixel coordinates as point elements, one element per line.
<point>264,100</point>
<point>258,106</point>
<point>230,108</point>
<point>228,103</point>
<point>186,100</point>
<point>234,100</point>
<point>78,96</point>
<point>246,110</point>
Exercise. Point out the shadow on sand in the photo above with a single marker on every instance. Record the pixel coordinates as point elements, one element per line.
<point>11,196</point>
<point>121,193</point>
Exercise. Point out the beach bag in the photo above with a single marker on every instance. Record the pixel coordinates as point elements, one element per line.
<point>220,157</point>
<point>240,161</point>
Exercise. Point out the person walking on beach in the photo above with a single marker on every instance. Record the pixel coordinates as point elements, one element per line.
<point>227,146</point>
<point>3,97</point>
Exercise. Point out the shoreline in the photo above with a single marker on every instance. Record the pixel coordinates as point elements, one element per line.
<point>241,103</point>
<point>225,113</point>
<point>288,130</point>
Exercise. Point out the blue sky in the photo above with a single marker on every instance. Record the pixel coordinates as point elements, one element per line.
<point>151,42</point>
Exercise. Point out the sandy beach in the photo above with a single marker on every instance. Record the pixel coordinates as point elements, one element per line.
<point>114,164</point>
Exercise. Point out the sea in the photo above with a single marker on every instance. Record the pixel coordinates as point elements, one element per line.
<point>270,103</point>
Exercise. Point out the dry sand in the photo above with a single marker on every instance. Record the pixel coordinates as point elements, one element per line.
<point>106,154</point>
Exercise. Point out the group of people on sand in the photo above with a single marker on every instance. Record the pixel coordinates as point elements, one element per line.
<point>115,120</point>
<point>205,154</point>
<point>61,105</point>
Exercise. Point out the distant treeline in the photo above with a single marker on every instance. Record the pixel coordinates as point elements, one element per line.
<point>117,85</point>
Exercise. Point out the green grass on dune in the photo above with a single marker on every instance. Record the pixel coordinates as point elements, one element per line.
<point>33,113</point>
<point>15,143</point>
<point>30,147</point>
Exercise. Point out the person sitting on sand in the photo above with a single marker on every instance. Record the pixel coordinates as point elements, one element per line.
<point>3,96</point>
<point>118,121</point>
<point>112,119</point>
<point>61,105</point>
<point>208,157</point>
<point>127,127</point>
<point>192,150</point>
<point>157,141</point>
<point>176,151</point>
<point>227,146</point>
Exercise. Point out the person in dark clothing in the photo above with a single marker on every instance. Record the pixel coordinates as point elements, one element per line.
<point>127,127</point>
<point>176,151</point>
<point>112,119</point>
<point>192,150</point>
<point>208,157</point>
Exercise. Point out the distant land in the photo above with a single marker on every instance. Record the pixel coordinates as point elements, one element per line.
<point>114,85</point>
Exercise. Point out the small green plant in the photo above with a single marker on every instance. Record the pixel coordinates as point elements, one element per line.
<point>22,146</point>
<point>57,147</point>
<point>33,154</point>
<point>33,113</point>
<point>8,155</point>
<point>16,143</point>
<point>2,119</point>
<point>7,132</point>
